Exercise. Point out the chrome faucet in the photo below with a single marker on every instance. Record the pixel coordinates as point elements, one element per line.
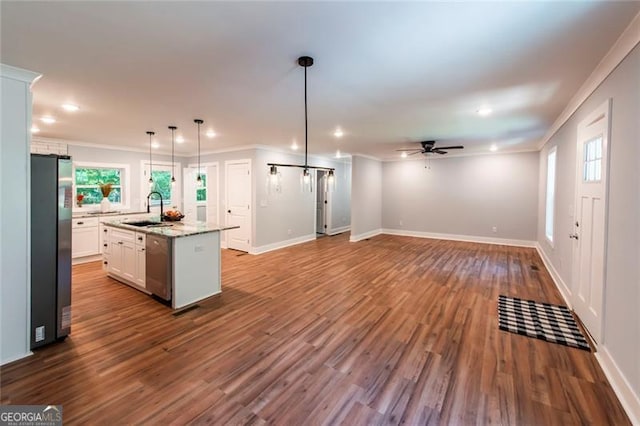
<point>161,204</point>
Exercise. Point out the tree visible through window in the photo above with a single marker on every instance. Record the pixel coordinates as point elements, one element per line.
<point>88,180</point>
<point>161,184</point>
<point>201,193</point>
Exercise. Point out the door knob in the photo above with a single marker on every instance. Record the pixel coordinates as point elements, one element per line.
<point>573,236</point>
<point>228,211</point>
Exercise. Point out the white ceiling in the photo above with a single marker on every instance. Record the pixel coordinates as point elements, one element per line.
<point>386,73</point>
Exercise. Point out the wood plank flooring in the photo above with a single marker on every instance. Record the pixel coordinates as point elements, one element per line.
<point>393,330</point>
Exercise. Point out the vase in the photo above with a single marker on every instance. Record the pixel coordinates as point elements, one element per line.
<point>105,205</point>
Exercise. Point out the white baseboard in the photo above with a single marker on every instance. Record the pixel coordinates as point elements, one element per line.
<point>340,230</point>
<point>282,244</point>
<point>223,244</point>
<point>455,237</point>
<point>16,358</point>
<point>623,390</point>
<point>628,398</point>
<point>86,259</point>
<point>364,236</point>
<point>562,287</point>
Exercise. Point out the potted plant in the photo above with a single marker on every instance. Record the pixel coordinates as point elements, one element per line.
<point>105,204</point>
<point>79,199</point>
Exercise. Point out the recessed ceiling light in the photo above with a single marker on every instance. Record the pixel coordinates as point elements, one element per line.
<point>403,155</point>
<point>484,111</point>
<point>294,146</point>
<point>34,129</point>
<point>338,155</point>
<point>179,139</point>
<point>493,147</point>
<point>70,107</point>
<point>211,133</point>
<point>338,133</point>
<point>155,145</point>
<point>48,120</point>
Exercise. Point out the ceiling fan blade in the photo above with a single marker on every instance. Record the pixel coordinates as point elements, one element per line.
<point>438,151</point>
<point>409,149</point>
<point>417,152</point>
<point>451,147</point>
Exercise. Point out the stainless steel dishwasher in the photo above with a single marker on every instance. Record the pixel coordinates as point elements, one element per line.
<point>159,271</point>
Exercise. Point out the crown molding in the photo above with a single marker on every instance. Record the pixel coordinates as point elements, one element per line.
<point>102,146</point>
<point>627,41</point>
<point>470,154</point>
<point>19,74</point>
<point>370,157</point>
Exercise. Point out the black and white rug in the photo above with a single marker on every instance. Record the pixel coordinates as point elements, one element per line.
<point>544,321</point>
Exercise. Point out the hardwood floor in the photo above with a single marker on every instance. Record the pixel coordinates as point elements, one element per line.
<point>392,330</point>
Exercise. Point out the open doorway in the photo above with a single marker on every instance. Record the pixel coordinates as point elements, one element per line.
<point>321,203</point>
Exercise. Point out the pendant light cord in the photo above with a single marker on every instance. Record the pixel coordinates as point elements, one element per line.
<point>199,150</point>
<point>305,118</point>
<point>150,161</point>
<point>173,164</point>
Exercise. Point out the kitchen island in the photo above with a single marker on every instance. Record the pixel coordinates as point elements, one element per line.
<point>175,261</point>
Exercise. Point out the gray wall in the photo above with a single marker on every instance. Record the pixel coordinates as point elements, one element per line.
<point>366,196</point>
<point>463,195</point>
<point>14,219</point>
<point>293,210</point>
<point>132,158</point>
<point>622,279</point>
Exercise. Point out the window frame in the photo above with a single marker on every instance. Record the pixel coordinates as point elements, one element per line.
<point>550,203</point>
<point>176,191</point>
<point>125,187</point>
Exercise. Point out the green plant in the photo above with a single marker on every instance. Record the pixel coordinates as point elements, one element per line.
<point>105,188</point>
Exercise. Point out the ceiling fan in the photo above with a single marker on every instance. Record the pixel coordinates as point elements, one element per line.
<point>428,148</point>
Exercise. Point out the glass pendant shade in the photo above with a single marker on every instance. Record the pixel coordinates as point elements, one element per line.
<point>331,181</point>
<point>274,180</point>
<point>199,181</point>
<point>306,181</point>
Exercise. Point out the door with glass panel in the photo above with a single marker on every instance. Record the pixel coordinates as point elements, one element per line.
<point>589,227</point>
<point>161,175</point>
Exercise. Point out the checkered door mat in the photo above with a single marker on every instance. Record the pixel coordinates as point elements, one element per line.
<point>544,321</point>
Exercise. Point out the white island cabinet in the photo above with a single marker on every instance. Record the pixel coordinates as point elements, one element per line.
<point>177,262</point>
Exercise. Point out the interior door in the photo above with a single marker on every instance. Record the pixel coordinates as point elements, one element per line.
<point>590,220</point>
<point>321,202</point>
<point>212,194</point>
<point>238,205</point>
<point>190,210</point>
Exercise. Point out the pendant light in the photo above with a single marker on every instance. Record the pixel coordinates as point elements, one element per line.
<point>150,163</point>
<point>306,179</point>
<point>173,164</point>
<point>199,178</point>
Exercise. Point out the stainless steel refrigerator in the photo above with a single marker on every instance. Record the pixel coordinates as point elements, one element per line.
<point>51,204</point>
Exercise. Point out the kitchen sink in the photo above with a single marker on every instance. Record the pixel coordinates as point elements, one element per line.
<point>148,223</point>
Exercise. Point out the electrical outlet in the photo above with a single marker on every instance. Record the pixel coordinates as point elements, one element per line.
<point>494,229</point>
<point>40,333</point>
<point>198,248</point>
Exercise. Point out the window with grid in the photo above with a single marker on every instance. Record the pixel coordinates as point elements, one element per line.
<point>592,160</point>
<point>88,179</point>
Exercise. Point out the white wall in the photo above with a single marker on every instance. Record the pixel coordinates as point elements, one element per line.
<point>15,190</point>
<point>463,196</point>
<point>366,197</point>
<point>621,339</point>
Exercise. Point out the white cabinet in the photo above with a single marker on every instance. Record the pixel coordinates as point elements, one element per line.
<point>124,257</point>
<point>84,237</point>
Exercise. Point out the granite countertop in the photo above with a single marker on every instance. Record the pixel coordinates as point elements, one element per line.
<point>98,213</point>
<point>172,229</point>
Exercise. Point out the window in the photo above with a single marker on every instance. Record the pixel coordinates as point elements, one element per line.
<point>592,160</point>
<point>161,184</point>
<point>551,193</point>
<point>89,176</point>
<point>201,193</point>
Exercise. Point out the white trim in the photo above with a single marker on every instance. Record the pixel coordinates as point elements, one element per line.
<point>339,230</point>
<point>19,74</point>
<point>215,164</point>
<point>370,157</point>
<point>628,398</point>
<point>282,244</point>
<point>86,259</point>
<point>176,191</point>
<point>457,237</point>
<point>125,184</point>
<point>562,287</point>
<point>621,48</point>
<point>462,154</point>
<point>18,357</point>
<point>365,235</point>
<point>553,150</point>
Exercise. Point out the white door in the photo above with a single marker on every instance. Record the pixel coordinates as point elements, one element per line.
<point>190,206</point>
<point>590,220</point>
<point>212,194</point>
<point>238,203</point>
